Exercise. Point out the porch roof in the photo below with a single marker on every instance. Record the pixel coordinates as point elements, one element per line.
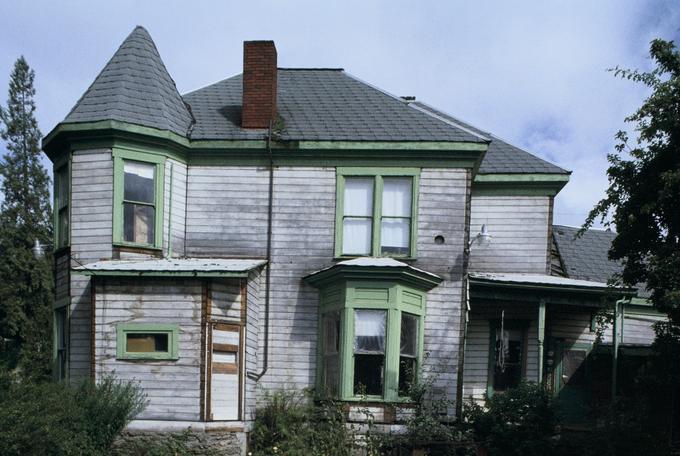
<point>184,267</point>
<point>536,287</point>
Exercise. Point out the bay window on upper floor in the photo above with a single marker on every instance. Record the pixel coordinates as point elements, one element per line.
<point>61,206</point>
<point>138,199</point>
<point>376,212</point>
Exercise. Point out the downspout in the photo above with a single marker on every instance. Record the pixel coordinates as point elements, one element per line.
<point>265,358</point>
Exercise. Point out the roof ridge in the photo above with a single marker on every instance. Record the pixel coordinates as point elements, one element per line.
<point>309,69</point>
<point>601,230</point>
<point>416,105</point>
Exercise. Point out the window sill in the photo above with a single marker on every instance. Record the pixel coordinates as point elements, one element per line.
<point>119,247</point>
<point>147,357</point>
<point>408,259</point>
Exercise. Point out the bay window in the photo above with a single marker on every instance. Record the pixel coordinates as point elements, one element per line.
<point>138,199</point>
<point>376,211</point>
<point>61,205</point>
<point>369,351</point>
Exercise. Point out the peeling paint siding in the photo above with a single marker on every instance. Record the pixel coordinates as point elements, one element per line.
<point>253,300</point>
<point>172,387</point>
<point>441,211</point>
<point>518,226</point>
<point>91,240</point>
<point>179,199</point>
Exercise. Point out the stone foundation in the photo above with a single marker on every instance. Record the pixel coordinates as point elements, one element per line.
<point>191,441</point>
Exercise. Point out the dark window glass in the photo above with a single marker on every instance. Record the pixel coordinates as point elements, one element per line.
<point>574,367</point>
<point>369,351</point>
<point>147,343</point>
<point>62,198</point>
<point>61,342</point>
<point>139,182</point>
<point>138,223</point>
<point>508,359</point>
<point>408,352</point>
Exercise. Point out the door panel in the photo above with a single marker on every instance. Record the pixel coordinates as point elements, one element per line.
<point>225,372</point>
<point>573,384</point>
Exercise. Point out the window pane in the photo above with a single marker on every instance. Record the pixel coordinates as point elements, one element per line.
<point>358,196</point>
<point>508,360</point>
<point>368,374</point>
<point>147,343</point>
<point>331,368</point>
<point>356,236</point>
<point>62,187</point>
<point>396,198</point>
<point>369,331</point>
<point>395,236</point>
<point>331,331</point>
<point>60,328</point>
<point>62,229</point>
<point>574,367</point>
<point>138,223</point>
<point>407,374</point>
<point>409,335</point>
<point>139,181</point>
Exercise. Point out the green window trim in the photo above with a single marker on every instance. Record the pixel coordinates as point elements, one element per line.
<point>119,156</point>
<point>60,358</point>
<point>377,174</point>
<point>61,204</point>
<point>123,329</point>
<point>392,297</point>
<point>522,325</point>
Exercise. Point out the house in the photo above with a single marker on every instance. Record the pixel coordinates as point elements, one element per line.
<point>295,228</point>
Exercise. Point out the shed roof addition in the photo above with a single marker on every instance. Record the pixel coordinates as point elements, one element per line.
<point>186,267</point>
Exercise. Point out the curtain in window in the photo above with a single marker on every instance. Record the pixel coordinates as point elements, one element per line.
<point>369,331</point>
<point>357,216</point>
<point>396,215</point>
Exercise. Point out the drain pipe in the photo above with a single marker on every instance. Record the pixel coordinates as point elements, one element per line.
<point>265,359</point>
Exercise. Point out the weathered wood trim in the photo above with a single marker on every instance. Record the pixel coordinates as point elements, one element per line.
<point>225,368</point>
<point>226,347</point>
<point>548,261</point>
<point>203,361</point>
<point>118,249</point>
<point>207,327</point>
<point>93,325</point>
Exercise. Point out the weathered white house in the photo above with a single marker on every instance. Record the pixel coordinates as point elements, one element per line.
<point>299,228</point>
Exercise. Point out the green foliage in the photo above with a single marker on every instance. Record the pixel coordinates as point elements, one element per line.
<point>26,287</point>
<point>291,424</point>
<point>175,444</point>
<point>520,421</point>
<point>58,419</point>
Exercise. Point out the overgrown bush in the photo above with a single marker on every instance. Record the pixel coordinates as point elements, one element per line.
<point>521,421</point>
<point>290,423</point>
<point>58,419</point>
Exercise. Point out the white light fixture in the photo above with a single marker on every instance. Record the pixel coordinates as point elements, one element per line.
<point>38,250</point>
<point>483,238</point>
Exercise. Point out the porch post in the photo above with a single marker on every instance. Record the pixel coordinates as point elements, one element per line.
<point>541,338</point>
<point>616,329</point>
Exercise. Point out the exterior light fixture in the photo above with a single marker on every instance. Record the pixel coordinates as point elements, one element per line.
<point>38,250</point>
<point>483,238</point>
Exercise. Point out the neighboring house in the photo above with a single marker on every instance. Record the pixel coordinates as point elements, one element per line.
<point>296,228</point>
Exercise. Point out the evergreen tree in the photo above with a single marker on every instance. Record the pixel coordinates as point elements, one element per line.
<point>26,282</point>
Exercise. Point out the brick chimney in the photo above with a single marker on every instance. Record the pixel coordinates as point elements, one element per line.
<point>259,84</point>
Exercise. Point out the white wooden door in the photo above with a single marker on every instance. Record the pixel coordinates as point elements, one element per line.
<point>225,372</point>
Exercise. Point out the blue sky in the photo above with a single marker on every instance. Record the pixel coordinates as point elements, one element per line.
<point>533,73</point>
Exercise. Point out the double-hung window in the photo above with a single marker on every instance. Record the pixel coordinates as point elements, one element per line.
<point>60,350</point>
<point>61,203</point>
<point>376,212</point>
<point>507,358</point>
<point>138,199</point>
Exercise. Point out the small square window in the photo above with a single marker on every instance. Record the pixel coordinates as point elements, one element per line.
<point>147,341</point>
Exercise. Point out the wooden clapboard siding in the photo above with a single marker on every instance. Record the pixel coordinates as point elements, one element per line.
<point>178,180</point>
<point>639,329</point>
<point>91,240</point>
<point>476,371</point>
<point>226,211</point>
<point>225,300</point>
<point>441,211</point>
<point>172,386</point>
<point>253,300</point>
<point>518,226</point>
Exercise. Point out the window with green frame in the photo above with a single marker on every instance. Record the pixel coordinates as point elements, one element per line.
<point>60,340</point>
<point>61,205</point>
<point>150,341</point>
<point>371,340</point>
<point>376,212</point>
<point>138,199</point>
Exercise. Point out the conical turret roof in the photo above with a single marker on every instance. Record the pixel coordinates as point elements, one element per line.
<point>134,87</point>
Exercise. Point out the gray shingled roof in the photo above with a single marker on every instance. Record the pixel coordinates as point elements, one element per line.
<point>134,87</point>
<point>501,157</point>
<point>586,257</point>
<point>320,104</point>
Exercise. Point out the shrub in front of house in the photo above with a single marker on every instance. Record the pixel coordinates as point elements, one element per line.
<point>521,421</point>
<point>290,423</point>
<point>58,419</point>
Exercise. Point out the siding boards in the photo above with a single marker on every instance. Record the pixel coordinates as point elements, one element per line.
<point>91,240</point>
<point>175,208</point>
<point>517,225</point>
<point>172,387</point>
